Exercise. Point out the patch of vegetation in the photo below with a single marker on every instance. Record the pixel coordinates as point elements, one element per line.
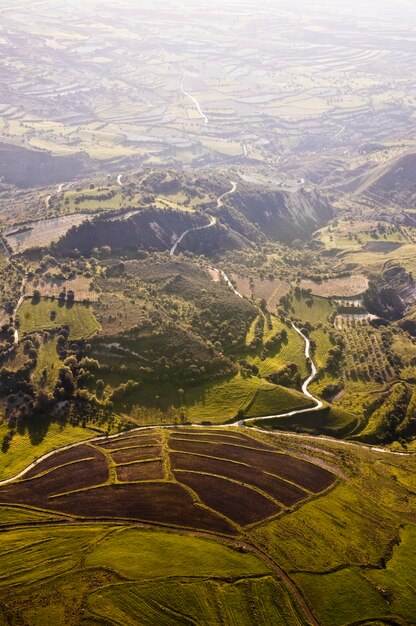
<point>47,314</point>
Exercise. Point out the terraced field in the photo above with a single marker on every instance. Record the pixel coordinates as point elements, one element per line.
<point>212,480</point>
<point>40,234</point>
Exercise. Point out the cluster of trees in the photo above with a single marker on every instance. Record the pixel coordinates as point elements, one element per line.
<point>287,376</point>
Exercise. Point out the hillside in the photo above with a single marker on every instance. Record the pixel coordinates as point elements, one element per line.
<point>393,183</point>
<point>282,215</point>
<point>28,168</point>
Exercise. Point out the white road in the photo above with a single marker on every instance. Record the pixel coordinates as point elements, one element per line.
<point>195,101</point>
<point>233,189</point>
<point>212,222</point>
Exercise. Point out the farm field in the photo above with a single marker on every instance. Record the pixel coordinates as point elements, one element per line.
<point>207,313</point>
<point>28,446</point>
<point>50,288</point>
<point>208,463</point>
<point>312,310</point>
<point>40,234</point>
<point>243,586</point>
<point>337,287</point>
<point>47,314</point>
<point>262,289</point>
<point>328,497</point>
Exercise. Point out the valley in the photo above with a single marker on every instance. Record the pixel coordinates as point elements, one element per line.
<point>207,314</point>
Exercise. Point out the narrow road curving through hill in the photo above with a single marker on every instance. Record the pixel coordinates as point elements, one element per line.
<point>212,222</point>
<point>318,403</point>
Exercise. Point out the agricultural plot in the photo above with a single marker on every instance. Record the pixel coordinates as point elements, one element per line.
<point>365,355</point>
<point>50,288</point>
<point>348,287</point>
<point>270,290</point>
<point>40,234</point>
<point>314,310</point>
<point>167,575</point>
<point>245,601</point>
<point>47,314</point>
<point>238,481</point>
<point>27,446</point>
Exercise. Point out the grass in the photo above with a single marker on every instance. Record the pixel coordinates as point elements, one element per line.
<point>45,553</point>
<point>220,402</point>
<point>291,352</point>
<point>10,515</point>
<point>334,547</point>
<point>64,572</point>
<point>143,554</point>
<point>342,597</point>
<point>318,310</point>
<point>328,421</point>
<point>37,316</point>
<point>27,447</point>
<point>344,527</point>
<point>47,358</point>
<point>398,579</point>
<point>273,400</point>
<point>323,345</point>
<point>189,601</point>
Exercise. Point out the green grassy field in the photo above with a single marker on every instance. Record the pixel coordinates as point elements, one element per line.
<point>343,597</point>
<point>37,316</point>
<point>291,352</point>
<point>352,594</point>
<point>144,554</point>
<point>274,400</point>
<point>328,420</point>
<point>220,402</point>
<point>314,310</point>
<point>186,601</point>
<point>47,358</point>
<point>31,445</point>
<point>164,578</point>
<point>359,563</point>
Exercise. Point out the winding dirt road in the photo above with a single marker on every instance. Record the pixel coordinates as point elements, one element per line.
<point>195,101</point>
<point>212,222</point>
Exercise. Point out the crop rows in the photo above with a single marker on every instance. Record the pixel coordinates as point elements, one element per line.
<point>208,480</point>
<point>365,354</point>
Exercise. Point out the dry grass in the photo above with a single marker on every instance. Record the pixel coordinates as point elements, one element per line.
<point>342,287</point>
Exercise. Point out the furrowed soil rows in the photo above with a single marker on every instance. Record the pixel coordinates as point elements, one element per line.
<point>125,442</point>
<point>128,455</point>
<point>152,470</point>
<point>240,504</point>
<point>284,492</point>
<point>302,473</point>
<point>77,453</point>
<point>158,502</point>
